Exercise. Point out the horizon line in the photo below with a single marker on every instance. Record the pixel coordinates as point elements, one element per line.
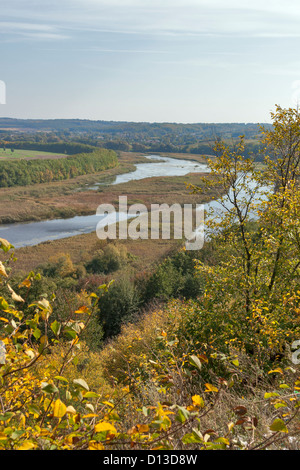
<point>135,122</point>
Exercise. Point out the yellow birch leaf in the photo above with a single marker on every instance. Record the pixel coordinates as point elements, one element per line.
<point>198,401</point>
<point>211,388</point>
<point>93,445</point>
<point>59,409</point>
<point>103,427</point>
<point>27,445</point>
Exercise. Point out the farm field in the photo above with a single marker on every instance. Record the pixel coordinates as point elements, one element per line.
<point>28,154</point>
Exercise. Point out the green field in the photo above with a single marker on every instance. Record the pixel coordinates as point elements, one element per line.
<point>27,154</point>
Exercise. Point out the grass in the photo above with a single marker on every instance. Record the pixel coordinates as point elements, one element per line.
<point>63,199</point>
<point>28,154</point>
<point>81,248</point>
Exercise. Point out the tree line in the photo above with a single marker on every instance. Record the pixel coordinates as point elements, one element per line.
<point>25,172</point>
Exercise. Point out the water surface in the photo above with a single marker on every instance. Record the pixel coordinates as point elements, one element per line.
<point>33,233</point>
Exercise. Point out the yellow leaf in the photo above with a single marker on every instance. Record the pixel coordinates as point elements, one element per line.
<point>2,270</point>
<point>103,427</point>
<point>83,309</point>
<point>22,421</point>
<point>276,371</point>
<point>59,409</point>
<point>108,403</point>
<point>25,283</point>
<point>93,445</point>
<point>143,428</point>
<point>27,445</point>
<point>198,401</point>
<point>210,388</point>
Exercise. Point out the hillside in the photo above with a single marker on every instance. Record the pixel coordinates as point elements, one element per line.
<point>199,353</point>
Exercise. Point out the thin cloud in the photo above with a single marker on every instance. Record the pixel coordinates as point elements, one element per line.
<point>20,30</point>
<point>126,51</point>
<point>170,17</point>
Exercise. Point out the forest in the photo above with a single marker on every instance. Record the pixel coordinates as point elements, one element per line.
<point>199,354</point>
<point>68,135</point>
<point>25,172</point>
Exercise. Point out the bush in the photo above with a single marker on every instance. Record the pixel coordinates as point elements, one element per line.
<point>118,306</point>
<point>175,277</point>
<point>107,260</point>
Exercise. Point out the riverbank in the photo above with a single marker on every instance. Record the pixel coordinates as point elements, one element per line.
<point>65,199</point>
<point>70,201</point>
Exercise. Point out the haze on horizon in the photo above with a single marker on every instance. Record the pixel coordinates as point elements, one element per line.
<point>181,61</point>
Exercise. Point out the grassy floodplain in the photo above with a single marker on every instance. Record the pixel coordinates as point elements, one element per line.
<point>28,154</point>
<point>65,199</point>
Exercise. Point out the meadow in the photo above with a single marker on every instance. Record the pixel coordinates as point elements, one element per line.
<point>8,154</point>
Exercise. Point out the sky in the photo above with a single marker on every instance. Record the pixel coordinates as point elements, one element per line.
<point>181,61</point>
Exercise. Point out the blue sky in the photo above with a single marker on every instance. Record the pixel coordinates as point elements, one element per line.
<point>149,60</point>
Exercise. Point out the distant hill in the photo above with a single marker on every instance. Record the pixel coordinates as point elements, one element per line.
<point>128,129</point>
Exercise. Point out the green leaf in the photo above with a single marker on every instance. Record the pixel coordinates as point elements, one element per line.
<point>278,426</point>
<point>55,327</point>
<point>49,388</point>
<point>6,416</point>
<point>3,304</point>
<point>91,395</point>
<point>34,409</point>
<point>37,333</point>
<point>182,414</point>
<point>191,438</point>
<point>5,245</point>
<point>223,440</point>
<point>195,361</point>
<point>61,379</point>
<point>17,434</point>
<point>70,332</point>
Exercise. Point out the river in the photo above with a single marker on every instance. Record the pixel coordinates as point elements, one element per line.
<point>33,233</point>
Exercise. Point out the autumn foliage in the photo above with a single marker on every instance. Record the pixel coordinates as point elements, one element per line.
<point>213,372</point>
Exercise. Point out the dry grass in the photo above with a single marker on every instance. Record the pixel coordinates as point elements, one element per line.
<point>82,248</point>
<point>63,199</point>
<point>137,344</point>
<point>57,200</point>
